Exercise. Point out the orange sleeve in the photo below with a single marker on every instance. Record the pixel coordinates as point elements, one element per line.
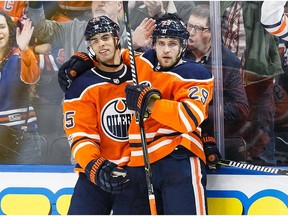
<point>189,107</point>
<point>30,72</point>
<point>81,127</point>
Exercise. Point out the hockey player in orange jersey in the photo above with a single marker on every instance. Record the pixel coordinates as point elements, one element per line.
<point>176,94</point>
<point>96,121</point>
<point>181,91</point>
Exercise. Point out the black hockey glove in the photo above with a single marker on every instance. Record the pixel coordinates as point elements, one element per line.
<point>107,175</point>
<point>211,152</point>
<point>75,66</point>
<point>138,96</point>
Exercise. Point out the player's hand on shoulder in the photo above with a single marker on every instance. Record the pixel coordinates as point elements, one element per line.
<point>79,63</point>
<point>107,175</point>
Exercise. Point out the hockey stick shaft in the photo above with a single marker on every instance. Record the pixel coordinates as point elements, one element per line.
<point>148,171</point>
<point>253,167</point>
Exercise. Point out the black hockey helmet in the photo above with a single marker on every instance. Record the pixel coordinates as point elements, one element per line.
<point>171,26</point>
<point>101,24</point>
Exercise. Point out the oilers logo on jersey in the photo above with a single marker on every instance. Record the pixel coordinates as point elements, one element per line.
<point>115,119</point>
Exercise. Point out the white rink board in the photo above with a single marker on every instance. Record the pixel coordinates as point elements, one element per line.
<point>47,189</point>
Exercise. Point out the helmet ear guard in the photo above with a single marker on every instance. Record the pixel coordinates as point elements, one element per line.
<point>91,53</point>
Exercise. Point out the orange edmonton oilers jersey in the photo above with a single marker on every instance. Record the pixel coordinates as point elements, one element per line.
<point>15,9</point>
<point>175,119</point>
<point>96,117</point>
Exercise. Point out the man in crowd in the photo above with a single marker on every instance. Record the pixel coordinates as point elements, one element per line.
<point>236,107</point>
<point>68,34</point>
<point>244,35</point>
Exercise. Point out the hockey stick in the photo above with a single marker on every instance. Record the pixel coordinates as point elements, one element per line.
<point>242,165</point>
<point>148,171</point>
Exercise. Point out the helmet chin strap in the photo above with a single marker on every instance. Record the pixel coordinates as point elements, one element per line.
<point>93,56</point>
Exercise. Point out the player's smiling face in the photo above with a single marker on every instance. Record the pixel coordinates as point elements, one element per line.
<point>168,51</point>
<point>104,45</point>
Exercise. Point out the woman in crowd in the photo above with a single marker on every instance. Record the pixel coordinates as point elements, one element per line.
<point>19,138</point>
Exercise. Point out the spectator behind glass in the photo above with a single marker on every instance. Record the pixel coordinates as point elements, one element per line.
<point>148,9</point>
<point>154,9</point>
<point>49,98</point>
<point>274,20</point>
<point>20,141</point>
<point>76,9</point>
<point>244,35</point>
<point>68,34</point>
<point>68,9</point>
<point>236,108</point>
<point>184,9</point>
<point>280,90</point>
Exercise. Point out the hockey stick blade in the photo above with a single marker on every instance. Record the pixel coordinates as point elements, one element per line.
<point>248,166</point>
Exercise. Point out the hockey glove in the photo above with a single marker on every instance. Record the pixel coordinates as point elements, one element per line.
<point>107,175</point>
<point>211,152</point>
<point>138,96</point>
<point>75,66</point>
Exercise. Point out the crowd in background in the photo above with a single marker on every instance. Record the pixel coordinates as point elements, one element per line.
<point>254,64</point>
